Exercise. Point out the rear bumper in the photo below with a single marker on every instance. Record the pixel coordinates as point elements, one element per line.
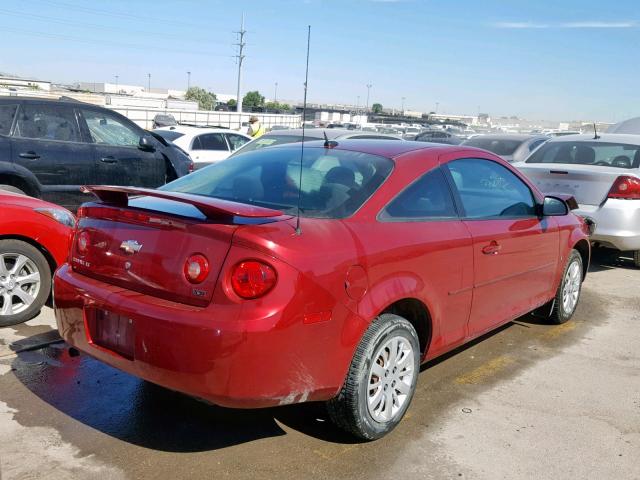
<point>617,223</point>
<point>210,353</point>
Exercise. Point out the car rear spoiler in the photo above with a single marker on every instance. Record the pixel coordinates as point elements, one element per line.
<point>211,207</point>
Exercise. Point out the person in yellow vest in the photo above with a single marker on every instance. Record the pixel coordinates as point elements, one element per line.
<point>255,128</point>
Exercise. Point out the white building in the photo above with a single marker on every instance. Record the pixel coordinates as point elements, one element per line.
<point>17,83</point>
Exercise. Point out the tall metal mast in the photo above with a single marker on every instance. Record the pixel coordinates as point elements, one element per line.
<point>240,57</point>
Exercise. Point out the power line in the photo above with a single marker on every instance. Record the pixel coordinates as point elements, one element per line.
<point>89,41</point>
<point>36,17</point>
<point>126,16</point>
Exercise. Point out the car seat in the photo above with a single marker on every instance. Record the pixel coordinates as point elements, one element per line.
<point>584,155</point>
<point>636,159</point>
<point>621,161</point>
<point>341,175</point>
<point>247,188</point>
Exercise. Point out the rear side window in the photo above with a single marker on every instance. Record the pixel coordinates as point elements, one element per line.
<point>47,122</point>
<point>7,112</point>
<point>210,141</point>
<point>603,154</point>
<point>427,198</point>
<point>489,190</point>
<point>497,146</point>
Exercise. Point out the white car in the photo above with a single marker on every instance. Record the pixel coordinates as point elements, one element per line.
<point>204,145</point>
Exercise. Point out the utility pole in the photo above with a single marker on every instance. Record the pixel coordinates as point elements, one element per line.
<point>275,94</point>
<point>437,105</point>
<point>368,92</point>
<point>148,83</point>
<point>240,57</point>
<point>188,80</point>
<point>403,99</point>
<point>117,83</point>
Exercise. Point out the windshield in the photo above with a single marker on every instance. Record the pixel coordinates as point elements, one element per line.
<point>499,147</point>
<point>603,154</point>
<point>335,183</point>
<point>170,135</point>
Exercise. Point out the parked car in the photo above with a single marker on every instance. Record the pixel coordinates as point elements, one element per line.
<point>603,174</point>
<point>49,148</point>
<point>294,135</point>
<point>438,136</point>
<point>511,147</point>
<point>164,120</point>
<point>204,145</point>
<point>235,285</point>
<point>34,239</point>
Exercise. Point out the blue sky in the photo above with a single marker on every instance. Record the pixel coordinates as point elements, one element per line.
<point>543,60</point>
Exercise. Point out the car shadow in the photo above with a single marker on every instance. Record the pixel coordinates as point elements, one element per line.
<point>603,259</point>
<point>144,414</point>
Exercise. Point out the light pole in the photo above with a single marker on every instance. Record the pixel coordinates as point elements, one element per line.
<point>275,94</point>
<point>148,82</point>
<point>368,92</point>
<point>188,81</point>
<point>403,99</point>
<point>437,105</point>
<point>117,83</point>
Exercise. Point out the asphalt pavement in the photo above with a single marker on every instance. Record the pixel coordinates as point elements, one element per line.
<point>527,401</point>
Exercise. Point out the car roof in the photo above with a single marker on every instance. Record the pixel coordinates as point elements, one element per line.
<point>332,133</point>
<point>193,131</point>
<point>508,136</point>
<point>383,148</point>
<point>629,139</point>
<point>73,101</point>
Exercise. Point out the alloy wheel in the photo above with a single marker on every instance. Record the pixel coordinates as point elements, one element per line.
<point>571,288</point>
<point>19,283</point>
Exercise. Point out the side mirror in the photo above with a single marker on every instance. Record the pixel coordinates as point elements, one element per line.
<point>146,145</point>
<point>554,207</point>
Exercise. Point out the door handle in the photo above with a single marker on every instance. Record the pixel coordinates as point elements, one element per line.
<point>108,159</point>
<point>31,155</point>
<point>492,249</point>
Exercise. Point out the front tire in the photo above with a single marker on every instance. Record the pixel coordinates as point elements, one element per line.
<point>381,380</point>
<point>25,282</point>
<point>568,292</point>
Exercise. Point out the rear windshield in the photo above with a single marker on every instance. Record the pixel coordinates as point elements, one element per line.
<point>499,147</point>
<point>170,135</point>
<point>271,140</point>
<point>603,154</point>
<point>335,183</point>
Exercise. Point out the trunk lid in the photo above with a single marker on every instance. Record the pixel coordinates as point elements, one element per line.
<point>589,185</point>
<point>142,244</point>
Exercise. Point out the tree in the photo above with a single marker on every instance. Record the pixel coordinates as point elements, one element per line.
<point>232,103</point>
<point>253,99</point>
<point>376,108</point>
<point>206,100</point>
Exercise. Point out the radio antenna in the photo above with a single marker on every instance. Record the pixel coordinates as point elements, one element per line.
<point>304,112</point>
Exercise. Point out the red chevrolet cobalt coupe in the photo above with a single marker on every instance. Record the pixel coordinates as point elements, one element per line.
<point>213,286</point>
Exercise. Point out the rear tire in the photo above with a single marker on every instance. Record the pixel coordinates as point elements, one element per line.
<point>25,282</point>
<point>381,380</point>
<point>11,188</point>
<point>568,293</point>
<point>636,258</point>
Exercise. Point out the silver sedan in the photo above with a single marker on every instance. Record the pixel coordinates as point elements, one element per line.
<point>603,173</point>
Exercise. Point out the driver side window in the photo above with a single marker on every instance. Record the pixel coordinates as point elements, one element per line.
<point>107,129</point>
<point>490,190</point>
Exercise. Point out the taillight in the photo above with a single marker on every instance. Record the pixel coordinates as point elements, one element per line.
<point>196,268</point>
<point>83,241</point>
<point>252,279</point>
<point>625,187</point>
<point>192,166</point>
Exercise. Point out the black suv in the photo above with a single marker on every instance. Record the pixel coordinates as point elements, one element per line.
<point>50,148</point>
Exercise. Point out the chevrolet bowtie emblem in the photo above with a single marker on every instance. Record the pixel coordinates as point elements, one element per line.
<point>130,246</point>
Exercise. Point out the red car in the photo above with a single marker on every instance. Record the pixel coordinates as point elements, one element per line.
<point>214,286</point>
<point>34,239</point>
